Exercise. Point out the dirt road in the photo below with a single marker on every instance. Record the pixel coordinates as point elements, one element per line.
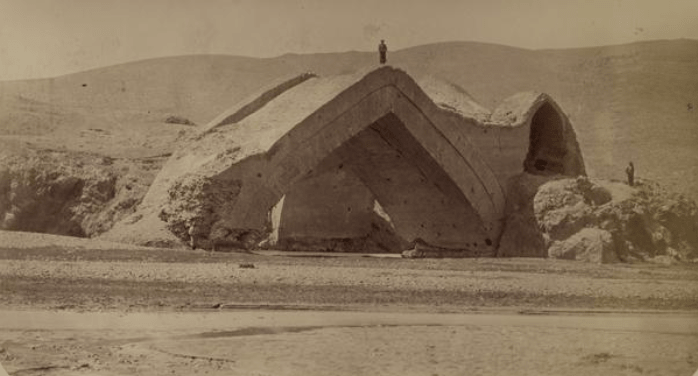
<point>346,343</point>
<point>89,275</point>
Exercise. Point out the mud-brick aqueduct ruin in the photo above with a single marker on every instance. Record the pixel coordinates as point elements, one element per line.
<point>373,162</point>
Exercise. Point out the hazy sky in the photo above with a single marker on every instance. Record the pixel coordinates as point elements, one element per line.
<point>40,38</point>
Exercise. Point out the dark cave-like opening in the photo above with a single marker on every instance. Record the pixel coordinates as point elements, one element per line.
<point>547,149</point>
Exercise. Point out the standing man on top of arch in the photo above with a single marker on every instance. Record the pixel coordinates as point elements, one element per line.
<point>630,171</point>
<point>382,51</point>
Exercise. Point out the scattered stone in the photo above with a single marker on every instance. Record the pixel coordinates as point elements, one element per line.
<point>175,119</point>
<point>421,249</point>
<point>598,357</point>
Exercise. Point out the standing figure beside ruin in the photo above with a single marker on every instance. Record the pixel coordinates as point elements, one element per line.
<point>194,232</point>
<point>630,171</point>
<point>382,51</point>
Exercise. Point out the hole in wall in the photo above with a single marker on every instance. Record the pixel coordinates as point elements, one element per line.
<point>547,150</point>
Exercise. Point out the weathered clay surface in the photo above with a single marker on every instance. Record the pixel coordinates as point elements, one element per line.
<point>522,235</point>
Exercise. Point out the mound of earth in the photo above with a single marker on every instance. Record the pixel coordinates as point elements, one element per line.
<point>598,221</point>
<point>68,193</point>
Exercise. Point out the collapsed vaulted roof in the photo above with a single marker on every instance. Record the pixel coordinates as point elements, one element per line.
<point>425,161</point>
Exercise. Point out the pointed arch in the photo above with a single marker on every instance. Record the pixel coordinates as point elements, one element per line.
<point>303,148</point>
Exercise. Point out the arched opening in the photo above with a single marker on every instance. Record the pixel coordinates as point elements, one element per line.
<point>334,211</point>
<point>547,149</point>
<point>380,191</point>
<point>430,182</point>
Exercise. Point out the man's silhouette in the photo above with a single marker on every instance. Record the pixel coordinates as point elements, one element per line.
<point>194,233</point>
<point>382,51</point>
<point>630,171</point>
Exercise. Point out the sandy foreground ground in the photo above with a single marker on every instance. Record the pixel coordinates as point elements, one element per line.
<point>266,342</point>
<point>74,306</point>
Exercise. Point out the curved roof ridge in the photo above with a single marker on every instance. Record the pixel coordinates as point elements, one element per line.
<point>517,109</point>
<point>380,82</point>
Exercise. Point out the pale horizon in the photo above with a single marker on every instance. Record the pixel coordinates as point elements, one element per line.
<point>43,38</point>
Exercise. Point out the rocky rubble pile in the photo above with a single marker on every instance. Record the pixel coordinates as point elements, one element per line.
<point>66,193</point>
<point>599,221</point>
<point>196,201</point>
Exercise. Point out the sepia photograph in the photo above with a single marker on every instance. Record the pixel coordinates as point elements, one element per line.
<point>332,187</point>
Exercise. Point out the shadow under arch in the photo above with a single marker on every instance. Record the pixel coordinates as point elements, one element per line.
<point>420,200</point>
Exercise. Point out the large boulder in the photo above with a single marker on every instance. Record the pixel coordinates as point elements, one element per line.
<point>589,244</point>
<point>196,199</point>
<point>598,221</point>
<point>564,207</point>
